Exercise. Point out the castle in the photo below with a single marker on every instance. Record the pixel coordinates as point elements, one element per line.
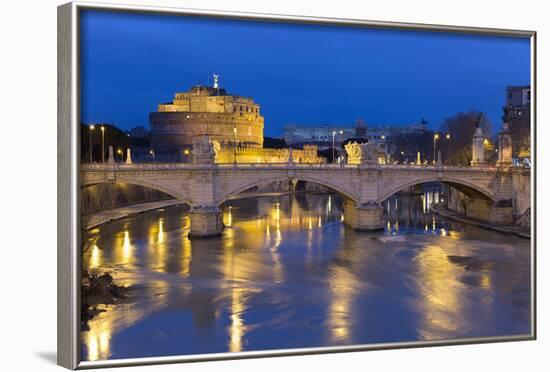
<point>232,121</point>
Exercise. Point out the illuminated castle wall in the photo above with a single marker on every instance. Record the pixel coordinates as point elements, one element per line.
<point>260,155</point>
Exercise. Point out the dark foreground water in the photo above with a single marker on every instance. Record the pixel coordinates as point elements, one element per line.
<point>288,274</point>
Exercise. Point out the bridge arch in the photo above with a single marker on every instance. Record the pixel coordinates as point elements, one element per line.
<point>330,185</point>
<point>467,187</point>
<point>143,183</point>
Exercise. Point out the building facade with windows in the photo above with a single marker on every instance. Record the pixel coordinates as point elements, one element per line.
<point>322,135</point>
<point>517,113</point>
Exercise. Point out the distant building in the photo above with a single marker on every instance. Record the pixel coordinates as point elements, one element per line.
<point>322,135</point>
<point>517,113</point>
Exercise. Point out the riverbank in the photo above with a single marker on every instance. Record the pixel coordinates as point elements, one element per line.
<point>99,218</point>
<point>522,232</point>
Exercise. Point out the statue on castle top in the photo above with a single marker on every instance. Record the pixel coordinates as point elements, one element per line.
<point>216,81</point>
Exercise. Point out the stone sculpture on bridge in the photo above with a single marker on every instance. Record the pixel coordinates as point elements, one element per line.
<point>504,147</point>
<point>128,156</point>
<point>204,150</point>
<point>478,148</point>
<point>364,153</point>
<point>369,153</point>
<point>354,153</point>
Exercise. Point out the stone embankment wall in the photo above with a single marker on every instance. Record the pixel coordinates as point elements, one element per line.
<point>102,197</point>
<point>483,209</point>
<point>521,183</point>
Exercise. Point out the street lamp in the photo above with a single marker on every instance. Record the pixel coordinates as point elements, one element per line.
<point>436,137</point>
<point>102,144</point>
<point>448,137</point>
<point>152,154</point>
<point>186,153</point>
<point>234,145</point>
<point>333,145</point>
<point>119,151</point>
<point>92,127</point>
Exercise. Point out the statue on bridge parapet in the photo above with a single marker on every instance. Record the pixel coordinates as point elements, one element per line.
<point>369,153</point>
<point>478,148</point>
<point>354,153</point>
<point>363,154</point>
<point>204,150</point>
<point>504,147</point>
<point>111,158</point>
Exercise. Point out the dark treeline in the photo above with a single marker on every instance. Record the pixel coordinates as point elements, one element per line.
<point>113,136</point>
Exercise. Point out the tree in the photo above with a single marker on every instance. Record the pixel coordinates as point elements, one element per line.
<point>113,137</point>
<point>405,146</point>
<point>461,128</point>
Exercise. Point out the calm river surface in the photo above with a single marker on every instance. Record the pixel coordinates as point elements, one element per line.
<point>288,274</point>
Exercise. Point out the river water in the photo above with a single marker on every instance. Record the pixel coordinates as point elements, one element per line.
<point>287,274</point>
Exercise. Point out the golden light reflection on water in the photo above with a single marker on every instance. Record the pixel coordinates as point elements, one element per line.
<point>98,339</point>
<point>94,261</point>
<point>123,250</point>
<point>157,247</point>
<point>441,293</point>
<point>343,290</point>
<point>237,328</point>
<point>186,257</point>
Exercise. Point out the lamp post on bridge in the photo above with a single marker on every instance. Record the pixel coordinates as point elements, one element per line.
<point>152,152</point>
<point>103,144</point>
<point>92,127</point>
<point>448,137</point>
<point>436,137</point>
<point>234,145</point>
<point>333,143</point>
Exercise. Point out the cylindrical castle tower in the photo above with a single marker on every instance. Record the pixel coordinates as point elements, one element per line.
<point>208,111</point>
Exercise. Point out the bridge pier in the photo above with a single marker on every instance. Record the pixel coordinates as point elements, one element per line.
<point>206,222</point>
<point>363,217</point>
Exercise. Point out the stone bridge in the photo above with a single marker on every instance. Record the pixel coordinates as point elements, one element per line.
<point>206,186</point>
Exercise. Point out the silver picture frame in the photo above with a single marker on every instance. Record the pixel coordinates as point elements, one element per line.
<point>68,181</point>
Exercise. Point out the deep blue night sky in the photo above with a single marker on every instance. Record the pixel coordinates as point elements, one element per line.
<point>304,74</point>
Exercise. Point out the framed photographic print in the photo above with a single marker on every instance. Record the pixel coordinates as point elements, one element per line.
<point>235,185</point>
